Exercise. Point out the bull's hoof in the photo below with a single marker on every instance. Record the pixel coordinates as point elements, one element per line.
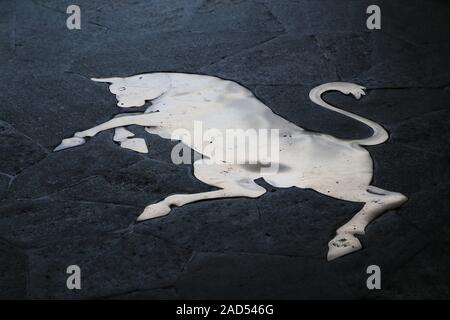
<point>342,245</point>
<point>154,211</point>
<point>69,143</point>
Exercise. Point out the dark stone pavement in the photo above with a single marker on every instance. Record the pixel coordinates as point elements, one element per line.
<point>78,206</point>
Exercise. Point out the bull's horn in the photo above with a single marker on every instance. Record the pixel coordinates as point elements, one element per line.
<point>111,80</point>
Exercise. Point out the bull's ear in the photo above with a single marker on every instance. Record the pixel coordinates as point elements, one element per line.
<point>110,80</point>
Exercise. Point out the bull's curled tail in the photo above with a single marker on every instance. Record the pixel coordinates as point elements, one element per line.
<point>379,133</point>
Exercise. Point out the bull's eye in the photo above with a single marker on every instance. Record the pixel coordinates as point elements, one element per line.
<point>122,89</point>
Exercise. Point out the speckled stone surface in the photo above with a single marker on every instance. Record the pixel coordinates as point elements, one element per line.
<point>79,206</point>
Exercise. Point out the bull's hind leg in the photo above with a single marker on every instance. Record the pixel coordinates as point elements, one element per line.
<point>233,181</point>
<point>376,201</point>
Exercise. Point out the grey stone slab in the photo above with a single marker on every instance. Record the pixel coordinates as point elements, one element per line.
<point>428,133</point>
<point>253,276</point>
<point>313,17</point>
<point>234,17</point>
<point>155,294</point>
<point>380,59</point>
<point>67,167</point>
<point>17,151</point>
<point>409,170</point>
<point>283,222</point>
<point>148,17</point>
<point>4,184</point>
<point>416,67</point>
<point>109,266</point>
<point>389,106</point>
<point>409,50</point>
<point>55,107</point>
<point>7,40</point>
<point>285,59</point>
<point>389,243</point>
<point>219,225</point>
<point>428,211</point>
<point>179,52</point>
<point>417,22</point>
<point>100,22</point>
<point>424,277</point>
<point>13,272</point>
<point>38,223</point>
<point>290,221</point>
<point>140,184</point>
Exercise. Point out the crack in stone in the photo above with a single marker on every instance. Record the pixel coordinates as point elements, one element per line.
<point>14,29</point>
<point>23,252</point>
<point>28,276</point>
<point>50,244</point>
<point>7,175</point>
<point>21,171</point>
<point>398,37</point>
<point>398,123</point>
<point>13,245</point>
<point>107,235</point>
<point>413,225</point>
<point>100,25</point>
<point>175,290</point>
<point>398,268</point>
<point>75,183</point>
<point>250,253</point>
<point>275,18</point>
<point>77,201</point>
<point>78,74</point>
<point>420,149</point>
<point>325,55</point>
<point>44,149</point>
<point>185,265</point>
<point>175,244</point>
<point>133,291</point>
<point>39,4</point>
<point>279,85</point>
<point>225,252</point>
<point>258,211</point>
<point>10,183</point>
<point>170,242</point>
<point>440,87</point>
<point>243,50</point>
<point>195,253</point>
<point>48,196</point>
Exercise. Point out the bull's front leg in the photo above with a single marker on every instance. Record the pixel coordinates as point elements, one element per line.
<point>146,120</point>
<point>125,139</point>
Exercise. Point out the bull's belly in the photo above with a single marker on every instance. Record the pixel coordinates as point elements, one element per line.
<point>322,162</point>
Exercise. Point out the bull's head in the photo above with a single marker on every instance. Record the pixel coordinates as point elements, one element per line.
<point>134,91</point>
